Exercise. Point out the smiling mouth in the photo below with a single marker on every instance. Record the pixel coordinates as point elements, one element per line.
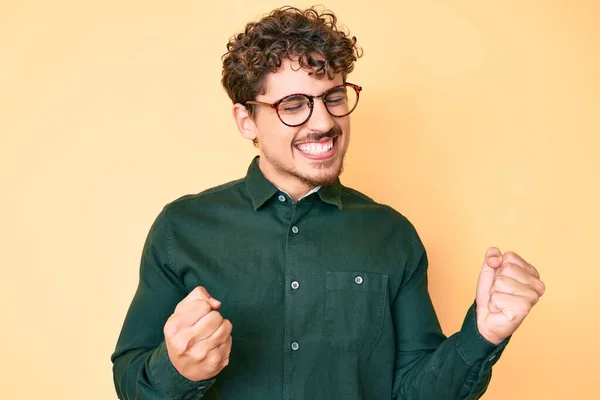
<point>317,148</point>
<point>321,149</point>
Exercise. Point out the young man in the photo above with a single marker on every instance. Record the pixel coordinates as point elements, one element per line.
<point>326,289</point>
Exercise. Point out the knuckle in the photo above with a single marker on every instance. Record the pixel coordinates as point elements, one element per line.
<point>525,308</point>
<point>219,317</point>
<point>183,301</point>
<point>200,354</point>
<point>198,293</point>
<point>180,346</point>
<point>510,266</point>
<point>500,283</point>
<point>512,271</point>
<point>533,269</point>
<point>170,328</point>
<point>501,269</point>
<point>524,301</point>
<point>531,295</point>
<point>215,317</point>
<point>214,361</point>
<point>204,307</point>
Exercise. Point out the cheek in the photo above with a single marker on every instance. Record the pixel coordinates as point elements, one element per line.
<point>344,124</point>
<point>272,133</point>
<point>279,140</point>
<point>345,127</point>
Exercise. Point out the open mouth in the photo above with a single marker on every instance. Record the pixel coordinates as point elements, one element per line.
<point>321,150</point>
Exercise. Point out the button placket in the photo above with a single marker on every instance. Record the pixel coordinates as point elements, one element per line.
<point>293,333</point>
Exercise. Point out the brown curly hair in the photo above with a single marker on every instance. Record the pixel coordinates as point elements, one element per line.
<point>286,33</point>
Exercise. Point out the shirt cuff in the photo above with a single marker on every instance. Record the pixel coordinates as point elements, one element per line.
<point>473,347</point>
<point>166,378</point>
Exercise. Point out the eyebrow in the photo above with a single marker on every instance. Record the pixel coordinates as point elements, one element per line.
<point>295,96</point>
<point>335,89</point>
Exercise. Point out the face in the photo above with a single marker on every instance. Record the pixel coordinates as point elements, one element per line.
<point>297,159</point>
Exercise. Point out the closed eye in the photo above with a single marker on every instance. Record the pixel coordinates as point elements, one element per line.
<point>336,96</point>
<point>334,100</point>
<point>294,105</point>
<point>293,108</point>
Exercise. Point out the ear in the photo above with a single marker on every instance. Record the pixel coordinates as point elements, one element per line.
<point>244,123</point>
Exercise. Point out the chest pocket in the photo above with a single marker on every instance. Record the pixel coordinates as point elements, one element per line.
<point>354,306</point>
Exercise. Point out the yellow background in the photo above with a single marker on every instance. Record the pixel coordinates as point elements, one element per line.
<point>479,121</point>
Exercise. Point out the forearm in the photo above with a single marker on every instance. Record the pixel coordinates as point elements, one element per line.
<point>142,369</point>
<point>150,375</point>
<point>459,368</point>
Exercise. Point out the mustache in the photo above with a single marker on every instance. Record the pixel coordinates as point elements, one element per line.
<point>317,136</point>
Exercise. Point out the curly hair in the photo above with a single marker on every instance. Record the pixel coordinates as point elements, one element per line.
<point>286,33</point>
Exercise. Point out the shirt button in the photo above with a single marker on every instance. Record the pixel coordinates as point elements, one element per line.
<point>295,346</point>
<point>295,229</point>
<point>281,198</point>
<point>295,285</point>
<point>358,280</point>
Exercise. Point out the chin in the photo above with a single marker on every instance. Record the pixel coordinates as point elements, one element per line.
<point>320,177</point>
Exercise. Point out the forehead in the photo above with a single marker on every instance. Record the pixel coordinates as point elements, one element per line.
<point>290,79</point>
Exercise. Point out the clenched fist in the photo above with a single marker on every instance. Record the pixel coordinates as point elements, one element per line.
<point>197,337</point>
<point>508,288</point>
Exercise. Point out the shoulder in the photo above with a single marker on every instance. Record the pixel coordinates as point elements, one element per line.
<point>355,200</point>
<point>215,196</point>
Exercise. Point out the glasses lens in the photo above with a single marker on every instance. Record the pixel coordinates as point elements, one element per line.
<point>341,101</point>
<point>294,110</point>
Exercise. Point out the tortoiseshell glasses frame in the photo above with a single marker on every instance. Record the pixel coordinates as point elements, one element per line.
<point>296,109</point>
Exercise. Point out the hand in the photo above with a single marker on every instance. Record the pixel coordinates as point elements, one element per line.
<point>507,289</point>
<point>197,337</point>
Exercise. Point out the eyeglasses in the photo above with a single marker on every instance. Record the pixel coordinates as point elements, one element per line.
<point>296,109</point>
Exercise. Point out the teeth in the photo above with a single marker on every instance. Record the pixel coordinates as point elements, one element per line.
<point>316,148</point>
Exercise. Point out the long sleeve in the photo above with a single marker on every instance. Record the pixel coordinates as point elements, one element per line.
<point>142,369</point>
<point>428,365</point>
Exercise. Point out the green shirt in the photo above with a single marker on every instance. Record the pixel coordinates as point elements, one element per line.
<point>327,296</point>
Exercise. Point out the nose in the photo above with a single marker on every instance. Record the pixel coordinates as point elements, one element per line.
<point>320,120</point>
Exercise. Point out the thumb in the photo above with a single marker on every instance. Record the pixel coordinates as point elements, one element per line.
<point>200,293</point>
<point>493,259</point>
<point>214,303</point>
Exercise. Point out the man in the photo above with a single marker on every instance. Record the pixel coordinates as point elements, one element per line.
<point>322,292</point>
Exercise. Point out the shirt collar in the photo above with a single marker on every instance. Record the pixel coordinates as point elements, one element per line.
<point>311,191</point>
<point>261,190</point>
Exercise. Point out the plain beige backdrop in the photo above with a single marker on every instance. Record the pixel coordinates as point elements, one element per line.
<point>479,121</point>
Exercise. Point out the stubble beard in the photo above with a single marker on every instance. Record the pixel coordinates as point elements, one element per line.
<point>330,170</point>
<point>329,176</point>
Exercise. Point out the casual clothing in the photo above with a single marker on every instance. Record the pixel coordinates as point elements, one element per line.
<point>327,296</point>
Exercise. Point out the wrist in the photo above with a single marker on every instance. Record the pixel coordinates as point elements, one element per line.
<point>489,336</point>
